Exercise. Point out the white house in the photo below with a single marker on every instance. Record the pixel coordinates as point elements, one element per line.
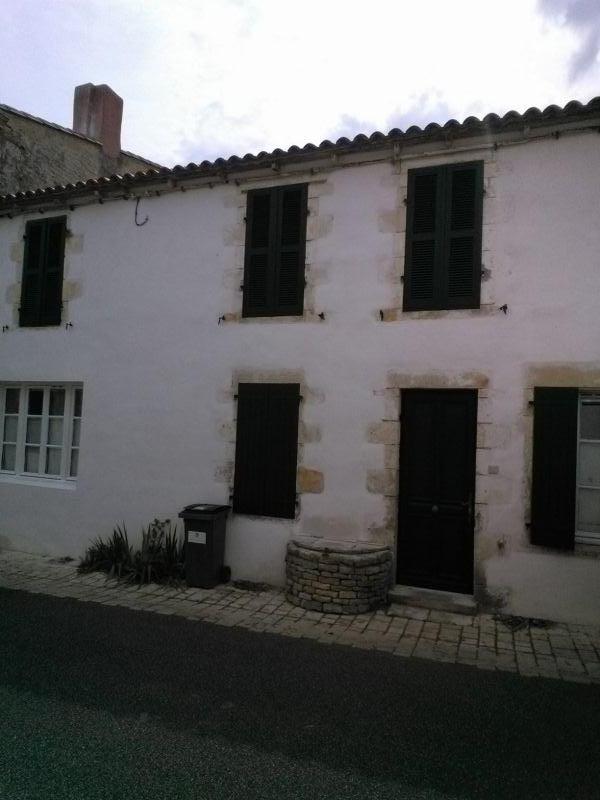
<point>369,341</point>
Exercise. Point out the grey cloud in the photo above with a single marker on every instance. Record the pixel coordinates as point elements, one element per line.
<point>583,16</point>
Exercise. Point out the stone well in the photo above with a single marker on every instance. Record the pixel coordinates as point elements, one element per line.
<point>337,577</point>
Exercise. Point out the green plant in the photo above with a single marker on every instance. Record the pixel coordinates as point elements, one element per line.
<point>113,555</point>
<point>160,557</point>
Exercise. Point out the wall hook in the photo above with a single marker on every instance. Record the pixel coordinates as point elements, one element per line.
<point>322,315</point>
<point>68,325</point>
<point>503,308</point>
<point>137,222</point>
<point>5,328</point>
<point>221,319</point>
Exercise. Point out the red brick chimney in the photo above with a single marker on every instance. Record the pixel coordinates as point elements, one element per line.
<point>97,113</point>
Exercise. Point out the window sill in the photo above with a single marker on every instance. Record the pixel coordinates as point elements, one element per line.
<point>45,483</point>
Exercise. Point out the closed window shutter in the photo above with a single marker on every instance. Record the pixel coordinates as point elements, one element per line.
<point>463,240</point>
<point>260,225</point>
<point>553,488</point>
<point>290,255</point>
<point>443,237</point>
<point>422,239</point>
<point>266,450</point>
<point>275,251</point>
<point>41,291</point>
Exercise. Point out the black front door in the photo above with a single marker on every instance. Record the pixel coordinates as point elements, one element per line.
<point>437,484</point>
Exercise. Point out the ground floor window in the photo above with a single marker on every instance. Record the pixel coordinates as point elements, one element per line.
<point>40,428</point>
<point>587,530</point>
<point>266,449</point>
<point>565,501</point>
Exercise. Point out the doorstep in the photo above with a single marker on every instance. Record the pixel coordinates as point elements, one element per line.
<point>432,599</point>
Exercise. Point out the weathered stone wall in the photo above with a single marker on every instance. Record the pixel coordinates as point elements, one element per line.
<point>34,155</point>
<point>337,579</point>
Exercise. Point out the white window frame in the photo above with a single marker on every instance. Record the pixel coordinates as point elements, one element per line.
<point>583,537</point>
<point>41,478</point>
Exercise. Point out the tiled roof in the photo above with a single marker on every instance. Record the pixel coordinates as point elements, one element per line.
<point>491,124</point>
<point>70,132</point>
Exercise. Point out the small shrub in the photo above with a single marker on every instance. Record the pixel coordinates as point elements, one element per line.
<point>113,555</point>
<point>159,557</point>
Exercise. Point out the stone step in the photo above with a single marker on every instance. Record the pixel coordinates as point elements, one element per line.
<point>432,599</point>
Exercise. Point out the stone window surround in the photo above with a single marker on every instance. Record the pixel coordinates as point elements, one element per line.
<point>71,288</point>
<point>309,480</point>
<point>318,225</point>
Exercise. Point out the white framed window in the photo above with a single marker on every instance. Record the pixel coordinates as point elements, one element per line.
<point>40,429</point>
<point>587,529</point>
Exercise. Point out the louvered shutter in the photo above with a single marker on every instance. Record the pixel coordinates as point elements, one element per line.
<point>260,229</point>
<point>443,237</point>
<point>554,471</point>
<point>462,273</point>
<point>275,251</point>
<point>422,239</point>
<point>266,450</point>
<point>290,250</point>
<point>41,288</point>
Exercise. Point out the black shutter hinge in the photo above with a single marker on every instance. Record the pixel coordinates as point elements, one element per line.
<point>235,396</point>
<point>405,200</point>
<point>241,287</point>
<point>503,308</point>
<point>531,402</point>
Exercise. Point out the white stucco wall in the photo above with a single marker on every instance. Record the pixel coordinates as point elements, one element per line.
<point>159,373</point>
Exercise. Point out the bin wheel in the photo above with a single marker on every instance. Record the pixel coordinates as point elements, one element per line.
<point>225,574</point>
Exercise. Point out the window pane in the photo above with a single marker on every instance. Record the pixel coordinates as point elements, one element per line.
<point>589,464</point>
<point>74,463</point>
<point>590,421</point>
<point>53,457</point>
<point>589,510</point>
<point>10,429</point>
<point>36,401</point>
<point>78,399</point>
<point>8,457</point>
<point>34,430</point>
<point>76,432</point>
<point>55,431</point>
<point>12,401</point>
<point>32,459</point>
<point>57,402</point>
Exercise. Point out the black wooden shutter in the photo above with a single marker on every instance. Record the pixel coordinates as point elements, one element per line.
<point>553,488</point>
<point>258,262</point>
<point>422,238</point>
<point>266,450</point>
<point>41,288</point>
<point>443,237</point>
<point>290,250</point>
<point>461,280</point>
<point>275,251</point>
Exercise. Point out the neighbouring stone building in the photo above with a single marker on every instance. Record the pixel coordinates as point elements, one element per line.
<point>383,353</point>
<point>35,153</point>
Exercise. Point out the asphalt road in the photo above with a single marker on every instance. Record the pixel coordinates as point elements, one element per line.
<point>102,702</point>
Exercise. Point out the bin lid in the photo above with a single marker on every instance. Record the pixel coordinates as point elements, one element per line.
<point>203,510</point>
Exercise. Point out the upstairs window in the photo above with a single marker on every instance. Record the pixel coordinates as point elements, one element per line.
<point>41,288</point>
<point>266,449</point>
<point>443,237</point>
<point>40,428</point>
<point>275,251</point>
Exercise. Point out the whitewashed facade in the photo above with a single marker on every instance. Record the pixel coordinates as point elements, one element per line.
<point>152,331</point>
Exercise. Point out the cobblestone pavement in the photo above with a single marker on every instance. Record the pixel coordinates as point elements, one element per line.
<point>567,652</point>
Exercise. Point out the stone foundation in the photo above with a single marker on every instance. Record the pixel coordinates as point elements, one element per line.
<point>337,578</point>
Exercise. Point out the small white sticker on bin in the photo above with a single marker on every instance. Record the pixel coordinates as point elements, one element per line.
<point>197,537</point>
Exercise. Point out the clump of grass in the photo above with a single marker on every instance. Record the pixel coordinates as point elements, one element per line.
<point>113,555</point>
<point>159,557</point>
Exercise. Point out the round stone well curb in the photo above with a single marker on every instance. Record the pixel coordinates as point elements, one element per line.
<point>337,577</point>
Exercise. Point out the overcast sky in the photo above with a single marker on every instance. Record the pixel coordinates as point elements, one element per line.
<point>208,78</point>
